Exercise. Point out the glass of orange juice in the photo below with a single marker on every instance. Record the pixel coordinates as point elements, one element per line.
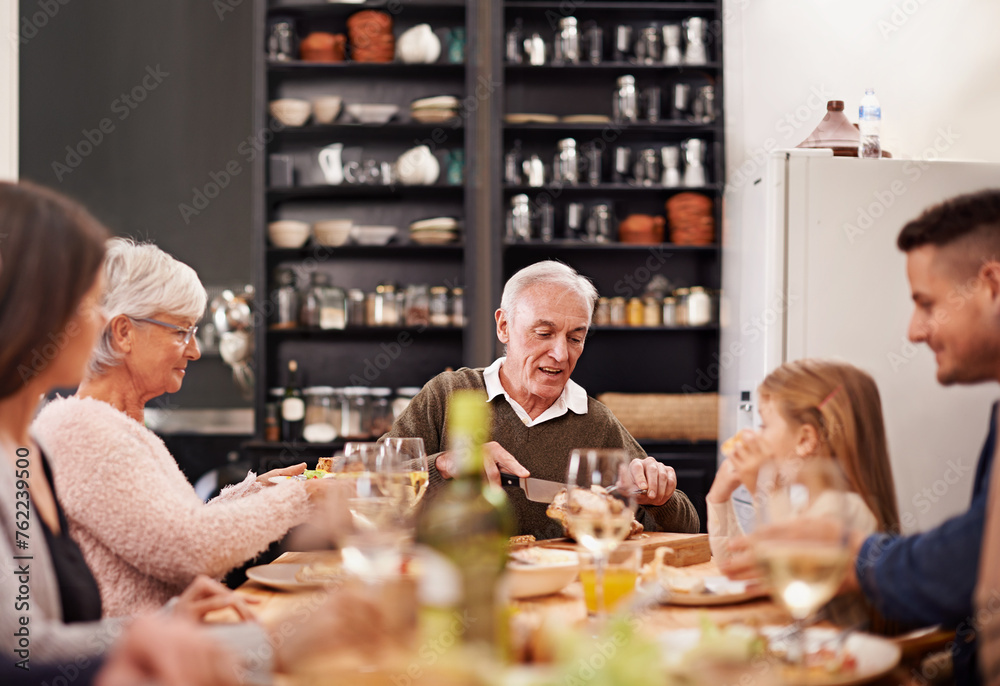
<point>620,577</point>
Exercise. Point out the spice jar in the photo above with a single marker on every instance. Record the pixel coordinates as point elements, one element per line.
<point>618,315</point>
<point>566,166</point>
<point>272,420</point>
<point>379,411</point>
<point>324,306</point>
<point>356,307</point>
<point>457,307</point>
<point>322,415</point>
<point>439,312</point>
<point>417,308</point>
<point>286,300</point>
<point>371,305</point>
<point>404,395</point>
<point>634,313</point>
<point>602,313</point>
<point>670,311</point>
<point>625,102</point>
<point>699,307</point>
<point>386,312</point>
<point>354,422</point>
<point>681,294</point>
<point>652,312</point>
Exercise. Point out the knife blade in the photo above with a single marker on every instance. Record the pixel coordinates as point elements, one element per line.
<point>535,490</point>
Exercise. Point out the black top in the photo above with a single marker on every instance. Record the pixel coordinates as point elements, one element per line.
<point>78,591</point>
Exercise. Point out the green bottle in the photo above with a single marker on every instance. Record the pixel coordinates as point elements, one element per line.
<point>468,522</point>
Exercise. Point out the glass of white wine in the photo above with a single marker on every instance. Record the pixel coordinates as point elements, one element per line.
<point>406,472</point>
<point>803,572</point>
<point>600,507</point>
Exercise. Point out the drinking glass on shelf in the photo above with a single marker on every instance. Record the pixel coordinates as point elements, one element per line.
<point>803,573</point>
<point>600,506</point>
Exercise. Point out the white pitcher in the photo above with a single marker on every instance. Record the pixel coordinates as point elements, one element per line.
<point>331,164</point>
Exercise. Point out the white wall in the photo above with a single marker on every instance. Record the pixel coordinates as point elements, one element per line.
<point>8,90</point>
<point>932,65</point>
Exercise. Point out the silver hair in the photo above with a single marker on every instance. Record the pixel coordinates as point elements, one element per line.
<point>140,281</point>
<point>549,272</point>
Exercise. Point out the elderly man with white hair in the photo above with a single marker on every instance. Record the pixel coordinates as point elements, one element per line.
<point>539,413</point>
<point>143,530</point>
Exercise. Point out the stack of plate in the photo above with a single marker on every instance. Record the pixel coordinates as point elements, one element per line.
<point>434,231</point>
<point>434,110</point>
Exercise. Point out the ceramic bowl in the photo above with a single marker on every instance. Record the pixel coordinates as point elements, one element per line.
<point>372,114</point>
<point>290,111</point>
<point>288,233</point>
<point>373,234</point>
<point>333,232</point>
<point>527,581</point>
<point>326,108</point>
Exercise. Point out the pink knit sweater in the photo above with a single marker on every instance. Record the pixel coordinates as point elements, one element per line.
<point>144,531</point>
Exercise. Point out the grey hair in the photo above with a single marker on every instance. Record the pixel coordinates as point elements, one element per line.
<point>140,281</point>
<point>549,272</point>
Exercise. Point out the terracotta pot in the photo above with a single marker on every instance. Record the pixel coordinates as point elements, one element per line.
<point>642,229</point>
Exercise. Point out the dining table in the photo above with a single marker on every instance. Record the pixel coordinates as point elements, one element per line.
<point>566,609</point>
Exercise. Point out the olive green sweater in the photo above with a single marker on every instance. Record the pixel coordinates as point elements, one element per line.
<point>543,449</point>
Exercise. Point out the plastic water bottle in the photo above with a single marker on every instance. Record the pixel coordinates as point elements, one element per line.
<point>870,124</point>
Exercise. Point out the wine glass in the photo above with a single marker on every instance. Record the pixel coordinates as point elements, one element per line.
<point>407,478</point>
<point>600,506</point>
<point>365,516</point>
<point>803,569</point>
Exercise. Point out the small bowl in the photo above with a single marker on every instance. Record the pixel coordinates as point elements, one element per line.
<point>326,108</point>
<point>333,233</point>
<point>290,111</point>
<point>372,114</point>
<point>373,234</point>
<point>288,233</point>
<point>528,581</point>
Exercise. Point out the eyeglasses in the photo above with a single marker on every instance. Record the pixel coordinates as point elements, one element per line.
<point>188,333</point>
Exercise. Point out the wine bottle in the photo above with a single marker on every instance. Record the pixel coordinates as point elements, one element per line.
<point>468,522</point>
<point>293,407</point>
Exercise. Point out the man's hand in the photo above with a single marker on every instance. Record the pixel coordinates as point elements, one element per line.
<point>658,480</point>
<point>296,469</point>
<point>495,460</point>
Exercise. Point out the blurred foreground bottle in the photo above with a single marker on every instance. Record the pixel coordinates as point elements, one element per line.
<point>468,522</point>
<point>870,125</point>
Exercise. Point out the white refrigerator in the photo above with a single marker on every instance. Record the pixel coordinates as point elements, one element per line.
<point>813,271</point>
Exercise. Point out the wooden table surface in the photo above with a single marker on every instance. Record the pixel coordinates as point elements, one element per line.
<point>566,608</point>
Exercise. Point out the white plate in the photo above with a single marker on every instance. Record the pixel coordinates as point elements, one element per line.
<point>876,656</point>
<point>435,224</point>
<point>730,594</point>
<point>280,576</point>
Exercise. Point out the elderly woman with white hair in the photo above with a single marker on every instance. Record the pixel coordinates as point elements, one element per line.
<point>539,413</point>
<point>142,528</point>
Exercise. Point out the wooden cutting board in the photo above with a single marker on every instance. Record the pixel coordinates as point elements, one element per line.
<point>689,549</point>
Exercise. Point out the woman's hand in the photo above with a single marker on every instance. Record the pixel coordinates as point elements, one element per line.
<point>296,469</point>
<point>204,595</point>
<point>170,652</point>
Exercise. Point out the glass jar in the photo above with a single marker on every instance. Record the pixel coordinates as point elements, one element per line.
<point>322,415</point>
<point>379,411</point>
<point>325,306</point>
<point>519,219</point>
<point>635,312</point>
<point>602,313</point>
<point>626,107</point>
<point>354,422</point>
<point>566,166</point>
<point>699,307</point>
<point>386,305</point>
<point>440,313</point>
<point>618,314</point>
<point>652,312</point>
<point>681,294</point>
<point>373,310</point>
<point>417,308</point>
<point>286,300</point>
<point>356,313</point>
<point>272,421</point>
<point>567,47</point>
<point>402,400</point>
<point>670,311</point>
<point>458,307</point>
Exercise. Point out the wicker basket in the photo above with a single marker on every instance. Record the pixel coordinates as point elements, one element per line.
<point>684,416</point>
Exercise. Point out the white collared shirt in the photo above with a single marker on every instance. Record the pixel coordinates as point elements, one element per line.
<point>572,399</point>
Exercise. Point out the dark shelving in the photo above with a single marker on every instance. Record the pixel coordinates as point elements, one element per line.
<point>367,68</point>
<point>352,251</point>
<point>623,67</point>
<point>568,244</point>
<point>357,332</point>
<point>360,191</point>
<point>611,187</point>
